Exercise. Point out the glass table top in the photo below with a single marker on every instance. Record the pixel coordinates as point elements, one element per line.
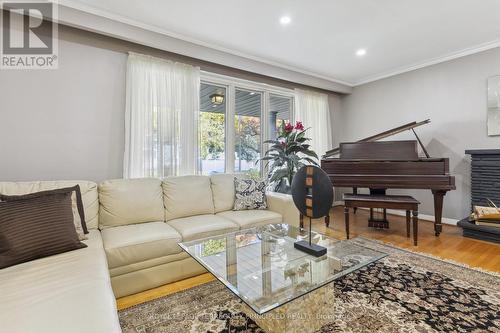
<point>262,267</point>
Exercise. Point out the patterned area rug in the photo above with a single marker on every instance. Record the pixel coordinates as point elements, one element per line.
<point>404,292</point>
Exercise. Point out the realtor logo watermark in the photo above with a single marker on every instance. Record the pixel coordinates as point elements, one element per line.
<point>29,35</point>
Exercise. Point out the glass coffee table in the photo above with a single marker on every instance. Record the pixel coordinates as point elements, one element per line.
<point>283,289</point>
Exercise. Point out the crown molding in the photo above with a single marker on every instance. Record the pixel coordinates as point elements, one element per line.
<point>434,61</point>
<point>69,11</point>
<point>296,74</point>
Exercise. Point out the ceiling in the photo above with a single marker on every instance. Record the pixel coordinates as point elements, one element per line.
<point>323,35</point>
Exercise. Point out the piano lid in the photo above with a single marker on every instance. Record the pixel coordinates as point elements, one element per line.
<point>385,134</point>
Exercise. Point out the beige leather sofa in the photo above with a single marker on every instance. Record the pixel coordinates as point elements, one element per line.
<point>69,292</point>
<point>142,220</point>
<point>135,226</point>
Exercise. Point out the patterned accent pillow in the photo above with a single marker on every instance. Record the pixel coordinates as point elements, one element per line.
<point>250,194</point>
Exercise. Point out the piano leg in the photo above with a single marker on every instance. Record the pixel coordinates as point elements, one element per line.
<point>382,223</point>
<point>438,210</point>
<point>354,191</point>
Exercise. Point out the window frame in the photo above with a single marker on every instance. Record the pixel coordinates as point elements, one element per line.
<point>231,84</point>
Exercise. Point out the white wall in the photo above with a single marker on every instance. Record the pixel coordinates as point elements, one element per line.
<point>452,95</point>
<point>66,123</point>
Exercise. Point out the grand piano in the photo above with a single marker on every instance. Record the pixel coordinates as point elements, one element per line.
<point>382,165</point>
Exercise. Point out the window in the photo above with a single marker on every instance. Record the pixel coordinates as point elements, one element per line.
<point>212,133</point>
<point>247,131</point>
<point>236,117</point>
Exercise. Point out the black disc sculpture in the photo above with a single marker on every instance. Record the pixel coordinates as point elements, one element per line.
<point>312,193</point>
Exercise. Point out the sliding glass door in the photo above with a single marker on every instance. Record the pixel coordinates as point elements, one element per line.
<point>247,130</point>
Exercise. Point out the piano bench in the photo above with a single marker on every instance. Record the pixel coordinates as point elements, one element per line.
<point>401,202</point>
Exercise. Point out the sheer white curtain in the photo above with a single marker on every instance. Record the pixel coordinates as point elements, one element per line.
<point>312,109</point>
<point>161,118</point>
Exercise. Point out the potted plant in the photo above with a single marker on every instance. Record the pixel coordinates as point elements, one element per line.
<point>287,154</point>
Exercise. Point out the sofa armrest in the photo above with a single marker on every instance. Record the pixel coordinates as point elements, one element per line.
<point>283,204</point>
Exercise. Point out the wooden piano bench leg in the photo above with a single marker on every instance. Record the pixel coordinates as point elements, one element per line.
<point>327,220</point>
<point>415,227</point>
<point>301,221</point>
<point>346,217</point>
<point>408,219</point>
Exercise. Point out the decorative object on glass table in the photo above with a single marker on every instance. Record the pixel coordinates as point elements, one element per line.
<point>312,193</point>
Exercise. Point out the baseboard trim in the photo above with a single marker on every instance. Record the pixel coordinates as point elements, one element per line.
<point>444,220</point>
<point>425,217</point>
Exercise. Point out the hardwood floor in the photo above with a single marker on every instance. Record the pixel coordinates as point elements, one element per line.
<point>449,245</point>
<point>148,295</point>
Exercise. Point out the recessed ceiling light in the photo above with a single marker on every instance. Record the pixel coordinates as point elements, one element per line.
<point>361,52</point>
<point>285,20</point>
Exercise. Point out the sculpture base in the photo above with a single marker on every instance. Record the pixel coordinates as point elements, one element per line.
<point>312,249</point>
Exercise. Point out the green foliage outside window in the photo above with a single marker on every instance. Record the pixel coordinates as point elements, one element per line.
<point>211,135</point>
<point>247,137</point>
<point>213,246</point>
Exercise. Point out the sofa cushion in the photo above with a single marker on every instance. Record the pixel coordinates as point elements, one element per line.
<point>252,218</point>
<point>87,189</point>
<point>201,226</point>
<point>68,292</point>
<point>130,201</point>
<point>147,264</point>
<point>125,245</point>
<point>223,190</point>
<point>187,196</point>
